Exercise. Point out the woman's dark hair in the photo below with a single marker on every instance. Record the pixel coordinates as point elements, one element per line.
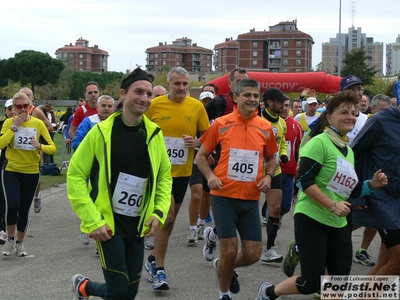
<point>345,96</point>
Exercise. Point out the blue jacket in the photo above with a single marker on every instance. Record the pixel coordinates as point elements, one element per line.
<point>377,146</point>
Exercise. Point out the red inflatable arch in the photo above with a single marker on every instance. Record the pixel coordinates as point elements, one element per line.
<point>287,82</point>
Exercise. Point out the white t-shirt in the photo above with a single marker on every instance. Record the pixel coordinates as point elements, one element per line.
<point>361,119</point>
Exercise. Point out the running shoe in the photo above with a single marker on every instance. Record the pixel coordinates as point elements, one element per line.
<point>8,247</point>
<point>84,238</point>
<point>362,257</point>
<point>200,232</point>
<point>3,237</point>
<point>192,236</point>
<point>262,289</point>
<point>209,246</point>
<point>20,249</point>
<point>37,203</point>
<point>148,243</point>
<point>235,286</point>
<point>76,281</point>
<point>160,281</point>
<point>208,218</point>
<point>150,267</point>
<point>271,256</point>
<point>291,260</point>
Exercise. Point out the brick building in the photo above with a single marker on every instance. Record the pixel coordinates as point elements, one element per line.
<point>182,53</point>
<point>84,58</point>
<point>283,48</point>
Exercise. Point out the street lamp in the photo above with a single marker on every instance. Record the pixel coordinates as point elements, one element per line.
<point>340,39</point>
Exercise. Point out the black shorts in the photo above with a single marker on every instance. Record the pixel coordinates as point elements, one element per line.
<point>234,214</point>
<point>390,237</point>
<point>276,183</point>
<point>179,187</point>
<point>197,177</point>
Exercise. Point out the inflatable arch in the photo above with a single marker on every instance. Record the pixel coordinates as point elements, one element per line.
<point>287,82</point>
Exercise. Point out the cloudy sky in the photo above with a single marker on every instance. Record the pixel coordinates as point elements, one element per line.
<point>125,28</point>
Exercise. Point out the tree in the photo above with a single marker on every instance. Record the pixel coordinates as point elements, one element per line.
<point>354,63</point>
<point>34,68</point>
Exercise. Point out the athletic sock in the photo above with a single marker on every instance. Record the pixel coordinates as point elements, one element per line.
<point>270,293</point>
<point>151,258</point>
<point>272,230</point>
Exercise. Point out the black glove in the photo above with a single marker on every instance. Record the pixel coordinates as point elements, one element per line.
<point>284,159</point>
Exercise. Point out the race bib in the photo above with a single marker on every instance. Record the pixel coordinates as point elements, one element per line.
<point>23,138</point>
<point>243,165</point>
<point>177,152</point>
<point>128,195</point>
<point>344,179</point>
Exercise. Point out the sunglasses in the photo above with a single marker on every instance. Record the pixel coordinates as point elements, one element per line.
<point>93,92</point>
<point>21,106</point>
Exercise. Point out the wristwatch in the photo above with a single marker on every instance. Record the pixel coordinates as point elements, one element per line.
<point>14,128</point>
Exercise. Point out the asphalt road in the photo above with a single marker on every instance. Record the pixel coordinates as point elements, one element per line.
<point>55,253</point>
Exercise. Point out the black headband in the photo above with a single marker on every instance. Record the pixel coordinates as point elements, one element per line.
<point>137,74</point>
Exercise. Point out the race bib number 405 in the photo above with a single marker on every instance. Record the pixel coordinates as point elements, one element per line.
<point>128,197</point>
<point>243,165</point>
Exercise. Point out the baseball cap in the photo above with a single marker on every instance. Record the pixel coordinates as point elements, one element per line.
<point>274,94</point>
<point>348,81</point>
<point>311,100</point>
<point>206,95</point>
<point>8,103</point>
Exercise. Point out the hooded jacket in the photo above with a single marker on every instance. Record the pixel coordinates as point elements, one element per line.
<point>377,146</point>
<point>92,203</point>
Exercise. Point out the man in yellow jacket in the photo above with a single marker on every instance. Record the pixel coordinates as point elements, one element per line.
<point>128,197</point>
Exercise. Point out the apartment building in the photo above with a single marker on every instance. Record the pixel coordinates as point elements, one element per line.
<point>84,58</point>
<point>393,58</point>
<point>181,53</point>
<point>283,48</point>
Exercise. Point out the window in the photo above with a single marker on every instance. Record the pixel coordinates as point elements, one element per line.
<point>285,61</point>
<point>254,63</point>
<point>81,63</point>
<point>156,62</point>
<point>254,53</point>
<point>298,62</point>
<point>285,43</point>
<point>177,55</point>
<point>285,53</point>
<point>298,43</point>
<point>298,53</point>
<point>255,44</point>
<point>164,55</point>
<point>177,63</point>
<point>156,55</point>
<point>164,62</point>
<point>80,55</point>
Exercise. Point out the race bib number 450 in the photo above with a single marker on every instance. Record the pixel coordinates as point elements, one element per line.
<point>177,152</point>
<point>243,165</point>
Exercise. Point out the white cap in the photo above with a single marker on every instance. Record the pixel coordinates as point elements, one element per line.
<point>206,95</point>
<point>8,103</point>
<point>311,100</point>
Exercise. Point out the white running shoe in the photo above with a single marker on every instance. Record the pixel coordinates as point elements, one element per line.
<point>209,246</point>
<point>8,247</point>
<point>271,256</point>
<point>192,236</point>
<point>20,249</point>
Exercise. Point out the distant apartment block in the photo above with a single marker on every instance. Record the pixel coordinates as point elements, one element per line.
<point>393,58</point>
<point>353,39</point>
<point>181,53</point>
<point>283,48</point>
<point>84,58</point>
